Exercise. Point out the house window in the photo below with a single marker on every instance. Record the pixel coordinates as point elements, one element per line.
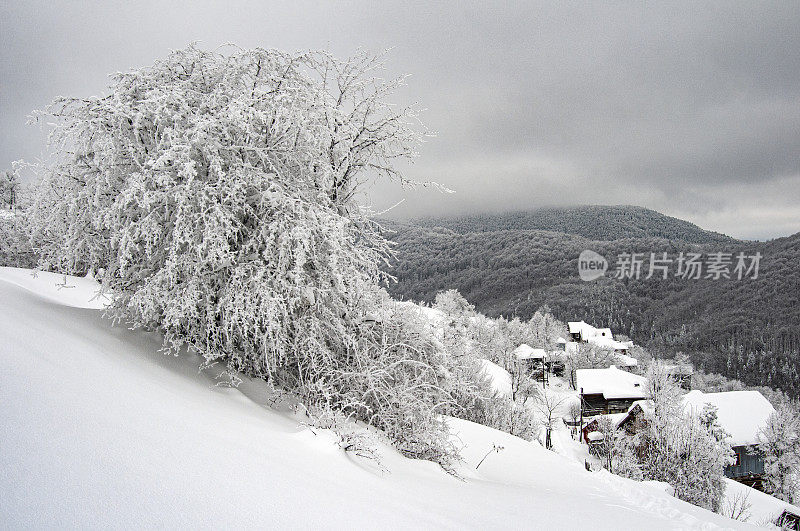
<point>738,460</point>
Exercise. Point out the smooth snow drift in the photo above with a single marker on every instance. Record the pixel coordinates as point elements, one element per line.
<point>100,430</point>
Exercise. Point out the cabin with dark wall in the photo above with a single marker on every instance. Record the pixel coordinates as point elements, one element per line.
<point>748,468</point>
<point>607,391</point>
<point>742,414</point>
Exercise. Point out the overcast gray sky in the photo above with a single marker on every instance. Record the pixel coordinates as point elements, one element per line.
<point>692,110</point>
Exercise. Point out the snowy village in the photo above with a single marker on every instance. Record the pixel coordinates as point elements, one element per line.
<point>230,300</point>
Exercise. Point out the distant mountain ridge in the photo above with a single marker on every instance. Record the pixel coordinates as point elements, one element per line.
<point>595,222</point>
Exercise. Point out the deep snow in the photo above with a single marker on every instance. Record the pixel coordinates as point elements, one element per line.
<point>99,429</point>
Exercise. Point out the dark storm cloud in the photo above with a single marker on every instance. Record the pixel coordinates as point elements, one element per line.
<point>688,109</point>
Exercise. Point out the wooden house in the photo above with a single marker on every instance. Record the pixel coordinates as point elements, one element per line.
<point>636,418</point>
<point>581,332</point>
<point>742,414</point>
<point>612,390</point>
<point>532,361</point>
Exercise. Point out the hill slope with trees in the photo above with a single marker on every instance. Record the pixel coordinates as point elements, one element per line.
<point>747,329</point>
<point>596,222</point>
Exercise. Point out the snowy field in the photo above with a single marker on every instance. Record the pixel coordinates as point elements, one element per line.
<point>100,430</point>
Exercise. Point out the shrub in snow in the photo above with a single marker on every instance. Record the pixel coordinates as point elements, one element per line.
<point>215,192</point>
<point>589,356</point>
<point>392,377</point>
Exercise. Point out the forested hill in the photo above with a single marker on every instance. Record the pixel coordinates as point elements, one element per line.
<point>748,329</point>
<point>593,222</point>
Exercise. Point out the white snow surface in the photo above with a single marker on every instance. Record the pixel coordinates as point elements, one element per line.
<point>98,429</point>
<point>78,292</point>
<point>763,508</point>
<point>741,413</point>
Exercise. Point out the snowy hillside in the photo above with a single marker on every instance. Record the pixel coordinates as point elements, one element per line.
<point>98,429</point>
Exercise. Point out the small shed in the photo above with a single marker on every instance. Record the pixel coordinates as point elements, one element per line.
<point>636,418</point>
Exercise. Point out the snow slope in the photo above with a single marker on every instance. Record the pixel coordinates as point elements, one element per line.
<point>761,507</point>
<point>100,430</point>
<point>65,290</point>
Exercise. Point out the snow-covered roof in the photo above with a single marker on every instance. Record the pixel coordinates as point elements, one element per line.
<point>607,343</point>
<point>527,352</point>
<point>741,413</point>
<point>627,361</point>
<point>599,336</point>
<point>561,340</point>
<point>576,327</point>
<point>611,383</point>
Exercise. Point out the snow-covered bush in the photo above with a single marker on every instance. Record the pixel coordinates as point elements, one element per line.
<point>589,356</point>
<point>392,377</point>
<point>779,441</point>
<point>15,248</point>
<point>213,193</point>
<point>469,337</point>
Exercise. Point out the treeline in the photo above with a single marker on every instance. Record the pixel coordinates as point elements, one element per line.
<point>747,329</point>
<point>595,222</point>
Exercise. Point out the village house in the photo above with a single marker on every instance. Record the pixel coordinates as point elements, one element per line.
<point>612,390</point>
<point>581,332</point>
<point>636,417</point>
<point>531,360</point>
<point>584,332</point>
<point>742,414</point>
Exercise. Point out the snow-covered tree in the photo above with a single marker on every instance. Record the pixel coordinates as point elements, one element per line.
<point>548,405</point>
<point>15,248</point>
<point>214,195</point>
<point>779,441</point>
<point>589,356</point>
<point>544,329</point>
<point>689,451</point>
<point>9,189</point>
